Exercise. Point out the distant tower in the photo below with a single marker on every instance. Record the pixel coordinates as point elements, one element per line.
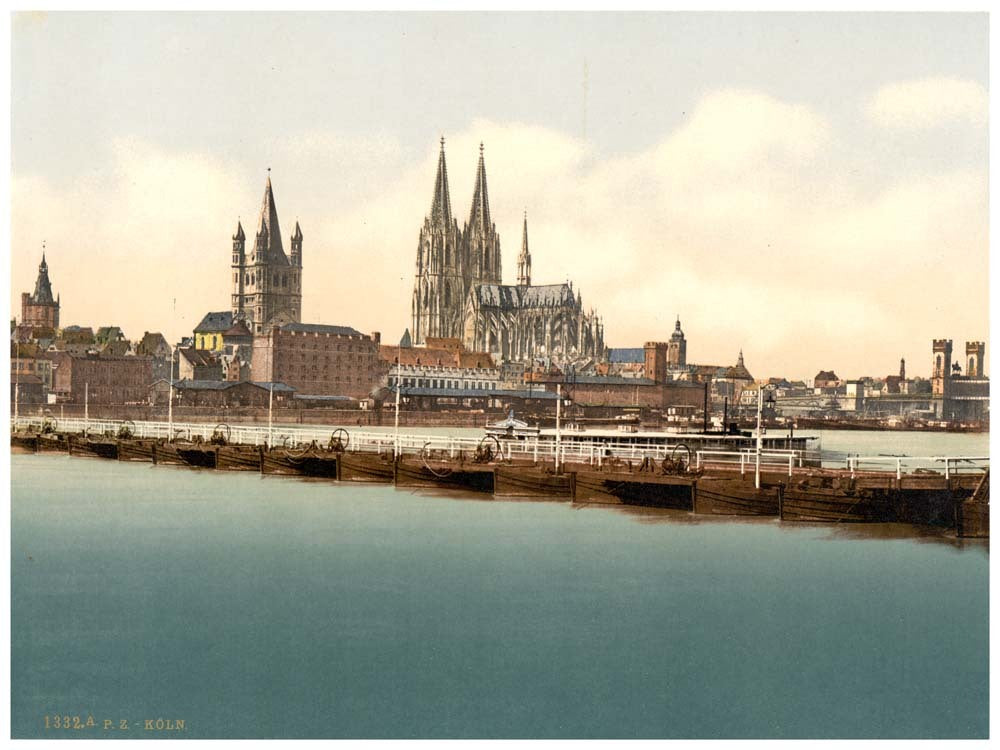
<point>524,260</point>
<point>656,360</point>
<point>975,352</point>
<point>677,348</point>
<point>440,286</point>
<point>267,286</point>
<point>902,369</point>
<point>942,366</point>
<point>40,309</point>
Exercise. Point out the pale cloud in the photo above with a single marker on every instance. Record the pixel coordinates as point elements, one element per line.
<point>929,103</point>
<point>735,220</point>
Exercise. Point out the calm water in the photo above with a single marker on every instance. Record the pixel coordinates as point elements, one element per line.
<point>259,607</point>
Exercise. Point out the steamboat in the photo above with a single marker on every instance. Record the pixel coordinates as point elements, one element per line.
<point>629,436</point>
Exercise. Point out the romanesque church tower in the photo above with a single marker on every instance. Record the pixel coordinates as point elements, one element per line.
<point>267,284</point>
<point>440,287</point>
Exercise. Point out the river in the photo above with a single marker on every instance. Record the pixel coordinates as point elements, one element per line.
<point>249,606</point>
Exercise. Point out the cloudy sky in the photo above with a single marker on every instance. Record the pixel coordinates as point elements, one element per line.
<point>811,188</point>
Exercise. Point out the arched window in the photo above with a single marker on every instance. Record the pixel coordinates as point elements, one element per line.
<point>447,294</point>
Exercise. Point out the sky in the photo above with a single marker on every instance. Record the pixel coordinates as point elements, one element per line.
<point>809,188</point>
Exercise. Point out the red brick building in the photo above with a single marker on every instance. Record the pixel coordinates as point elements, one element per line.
<point>442,352</point>
<point>318,360</point>
<point>104,380</point>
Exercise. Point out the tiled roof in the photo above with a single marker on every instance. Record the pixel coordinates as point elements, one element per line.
<point>622,356</point>
<point>199,357</point>
<point>222,385</point>
<point>215,322</point>
<point>608,380</point>
<point>318,328</point>
<point>474,393</point>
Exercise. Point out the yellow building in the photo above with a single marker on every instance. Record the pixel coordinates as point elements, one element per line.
<point>208,334</point>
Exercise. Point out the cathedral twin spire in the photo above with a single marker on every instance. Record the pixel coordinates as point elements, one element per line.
<point>441,205</point>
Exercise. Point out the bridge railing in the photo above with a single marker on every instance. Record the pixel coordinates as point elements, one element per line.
<point>588,452</point>
<point>948,465</point>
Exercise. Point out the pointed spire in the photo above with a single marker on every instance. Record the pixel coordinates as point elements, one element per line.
<point>268,242</point>
<point>240,235</point>
<point>524,259</point>
<point>480,213</point>
<point>441,206</point>
<point>739,361</point>
<point>43,288</point>
<point>297,235</point>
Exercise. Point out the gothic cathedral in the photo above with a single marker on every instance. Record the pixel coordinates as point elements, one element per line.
<point>458,290</point>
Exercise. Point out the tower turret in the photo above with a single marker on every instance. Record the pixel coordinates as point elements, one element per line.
<point>296,255</point>
<point>677,347</point>
<point>524,259</point>
<point>942,366</point>
<point>975,353</point>
<point>239,265</point>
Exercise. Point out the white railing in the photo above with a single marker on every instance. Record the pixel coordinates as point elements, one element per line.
<point>591,452</point>
<point>898,464</point>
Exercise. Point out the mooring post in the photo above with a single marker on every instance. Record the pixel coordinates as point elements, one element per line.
<point>791,459</point>
<point>899,468</point>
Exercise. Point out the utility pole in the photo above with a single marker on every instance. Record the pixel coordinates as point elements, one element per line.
<point>270,414</point>
<point>395,442</point>
<point>17,368</point>
<point>558,416</point>
<point>760,437</point>
<point>170,397</point>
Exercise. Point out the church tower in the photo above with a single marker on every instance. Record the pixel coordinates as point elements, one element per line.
<point>440,286</point>
<point>267,286</point>
<point>524,259</point>
<point>677,348</point>
<point>481,241</point>
<point>40,309</point>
